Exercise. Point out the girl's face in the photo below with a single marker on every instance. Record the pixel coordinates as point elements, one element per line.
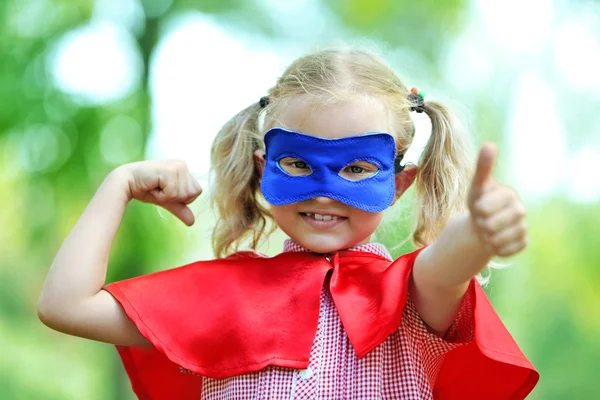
<point>322,224</point>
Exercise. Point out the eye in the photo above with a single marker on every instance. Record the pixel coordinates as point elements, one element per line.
<point>294,166</point>
<point>300,164</point>
<point>359,170</point>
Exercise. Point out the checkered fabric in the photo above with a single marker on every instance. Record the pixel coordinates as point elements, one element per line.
<point>404,366</point>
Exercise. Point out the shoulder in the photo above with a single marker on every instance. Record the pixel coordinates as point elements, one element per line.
<point>237,263</point>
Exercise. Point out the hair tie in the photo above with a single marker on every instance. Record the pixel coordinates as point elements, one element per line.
<point>264,101</point>
<point>417,99</point>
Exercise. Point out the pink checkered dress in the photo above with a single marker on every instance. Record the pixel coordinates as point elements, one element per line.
<point>404,366</point>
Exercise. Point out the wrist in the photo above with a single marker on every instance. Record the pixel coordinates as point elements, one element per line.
<point>476,236</point>
<point>120,179</point>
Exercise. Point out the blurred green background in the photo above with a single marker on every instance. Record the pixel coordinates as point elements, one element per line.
<point>88,85</point>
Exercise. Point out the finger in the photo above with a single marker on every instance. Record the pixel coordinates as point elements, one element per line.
<point>182,183</point>
<point>181,211</point>
<point>485,166</point>
<point>515,233</point>
<point>512,248</point>
<point>167,186</point>
<point>494,201</point>
<point>502,219</point>
<point>194,190</point>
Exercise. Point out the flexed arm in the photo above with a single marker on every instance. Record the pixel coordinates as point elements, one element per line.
<point>72,300</point>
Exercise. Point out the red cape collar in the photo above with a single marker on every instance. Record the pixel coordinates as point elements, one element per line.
<point>240,314</point>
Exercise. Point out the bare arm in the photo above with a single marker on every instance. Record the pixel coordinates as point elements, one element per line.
<point>72,300</point>
<point>442,272</point>
<point>494,225</point>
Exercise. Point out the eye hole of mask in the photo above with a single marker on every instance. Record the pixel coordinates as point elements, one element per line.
<point>359,170</point>
<point>294,166</point>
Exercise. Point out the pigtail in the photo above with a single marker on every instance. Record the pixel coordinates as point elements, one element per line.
<point>443,177</point>
<point>236,190</point>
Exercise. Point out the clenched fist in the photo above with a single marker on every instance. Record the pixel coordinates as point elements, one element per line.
<point>496,210</point>
<point>164,183</point>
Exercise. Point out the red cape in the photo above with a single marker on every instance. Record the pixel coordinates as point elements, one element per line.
<point>237,315</point>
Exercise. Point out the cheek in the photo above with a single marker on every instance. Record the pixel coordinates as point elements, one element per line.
<point>282,213</point>
<point>366,221</point>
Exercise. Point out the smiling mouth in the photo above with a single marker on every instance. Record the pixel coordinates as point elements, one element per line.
<point>323,217</point>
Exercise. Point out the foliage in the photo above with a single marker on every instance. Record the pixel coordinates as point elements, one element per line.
<point>52,160</point>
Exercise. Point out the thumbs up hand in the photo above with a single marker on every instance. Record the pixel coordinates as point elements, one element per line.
<point>497,212</point>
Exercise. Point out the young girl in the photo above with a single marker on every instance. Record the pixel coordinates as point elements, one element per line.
<point>332,316</point>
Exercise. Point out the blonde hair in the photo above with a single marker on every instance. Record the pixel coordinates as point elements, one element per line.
<point>331,76</point>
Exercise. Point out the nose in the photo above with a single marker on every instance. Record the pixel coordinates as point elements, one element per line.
<point>324,200</point>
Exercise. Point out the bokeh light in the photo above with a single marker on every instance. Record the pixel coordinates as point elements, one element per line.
<point>88,85</point>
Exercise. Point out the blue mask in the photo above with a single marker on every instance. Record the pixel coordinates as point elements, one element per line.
<point>324,160</point>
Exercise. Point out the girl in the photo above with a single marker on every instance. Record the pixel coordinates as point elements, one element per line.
<point>332,316</point>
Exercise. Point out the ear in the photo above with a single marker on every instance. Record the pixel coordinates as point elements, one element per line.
<point>260,160</point>
<point>404,179</point>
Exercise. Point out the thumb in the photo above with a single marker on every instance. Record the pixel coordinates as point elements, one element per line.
<point>181,211</point>
<point>485,166</point>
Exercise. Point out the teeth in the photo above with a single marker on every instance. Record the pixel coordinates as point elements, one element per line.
<point>320,217</point>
